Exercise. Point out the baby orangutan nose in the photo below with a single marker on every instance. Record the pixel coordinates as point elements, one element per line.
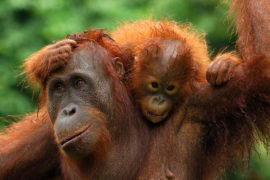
<point>159,104</point>
<point>158,100</point>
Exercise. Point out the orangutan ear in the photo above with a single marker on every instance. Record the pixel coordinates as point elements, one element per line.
<point>119,67</point>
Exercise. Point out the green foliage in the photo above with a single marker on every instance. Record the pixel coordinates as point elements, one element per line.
<point>28,25</point>
<point>258,170</point>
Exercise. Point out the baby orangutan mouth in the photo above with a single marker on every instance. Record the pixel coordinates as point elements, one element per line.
<point>154,117</point>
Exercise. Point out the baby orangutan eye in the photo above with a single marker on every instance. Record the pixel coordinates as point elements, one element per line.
<point>171,89</point>
<point>153,86</point>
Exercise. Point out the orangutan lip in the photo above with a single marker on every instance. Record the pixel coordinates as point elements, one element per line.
<point>73,137</point>
<point>153,115</point>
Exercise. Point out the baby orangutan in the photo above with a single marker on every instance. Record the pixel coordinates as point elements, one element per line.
<point>167,60</point>
<point>160,76</point>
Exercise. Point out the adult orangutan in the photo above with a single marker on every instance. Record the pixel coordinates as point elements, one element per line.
<point>209,127</point>
<point>97,132</point>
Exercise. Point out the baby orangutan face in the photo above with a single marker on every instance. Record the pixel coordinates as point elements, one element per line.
<point>158,101</point>
<point>161,73</point>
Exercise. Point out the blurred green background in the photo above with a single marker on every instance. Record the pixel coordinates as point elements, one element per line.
<point>28,25</point>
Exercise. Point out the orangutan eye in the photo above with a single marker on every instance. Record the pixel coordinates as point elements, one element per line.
<point>79,83</point>
<point>170,88</point>
<point>154,85</point>
<point>59,88</point>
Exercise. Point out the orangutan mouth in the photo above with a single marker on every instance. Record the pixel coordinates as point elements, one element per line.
<point>150,114</point>
<point>76,136</point>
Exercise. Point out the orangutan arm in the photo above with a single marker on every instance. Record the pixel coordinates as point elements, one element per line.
<point>28,150</point>
<point>39,66</point>
<point>235,113</point>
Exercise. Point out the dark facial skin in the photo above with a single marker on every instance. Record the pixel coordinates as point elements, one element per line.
<point>77,114</point>
<point>161,80</point>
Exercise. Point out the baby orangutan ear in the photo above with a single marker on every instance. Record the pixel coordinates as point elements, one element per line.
<point>119,67</point>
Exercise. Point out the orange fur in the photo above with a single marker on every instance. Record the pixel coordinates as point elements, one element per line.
<point>29,142</point>
<point>232,119</point>
<point>253,26</point>
<point>226,140</point>
<point>133,38</point>
<point>39,66</point>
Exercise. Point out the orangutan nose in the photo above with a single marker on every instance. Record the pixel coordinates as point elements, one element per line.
<point>159,100</point>
<point>69,110</point>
